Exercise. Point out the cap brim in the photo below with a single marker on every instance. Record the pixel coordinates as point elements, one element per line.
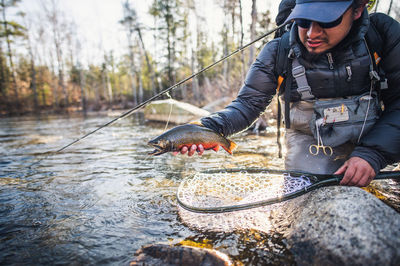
<point>319,11</point>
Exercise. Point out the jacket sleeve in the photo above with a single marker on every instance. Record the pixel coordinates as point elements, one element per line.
<point>381,146</point>
<point>257,92</point>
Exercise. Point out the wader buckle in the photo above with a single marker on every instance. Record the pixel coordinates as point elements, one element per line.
<point>298,71</point>
<point>305,93</point>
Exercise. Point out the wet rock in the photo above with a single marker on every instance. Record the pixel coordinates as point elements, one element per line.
<point>339,226</point>
<point>160,254</point>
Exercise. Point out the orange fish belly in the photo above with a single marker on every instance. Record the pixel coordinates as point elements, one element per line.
<point>207,146</point>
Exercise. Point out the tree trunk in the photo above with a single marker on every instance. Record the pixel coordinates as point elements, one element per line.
<point>33,86</point>
<point>225,41</point>
<point>53,17</point>
<point>376,5</point>
<point>149,67</point>
<point>157,76</point>
<point>110,91</point>
<point>390,7</point>
<point>43,92</point>
<point>139,75</point>
<point>54,82</point>
<point>195,83</point>
<point>253,31</point>
<point>82,85</point>
<point>169,42</point>
<point>132,70</point>
<point>104,83</point>
<point>140,82</point>
<point>61,83</point>
<point>10,57</point>
<point>241,39</point>
<point>3,81</point>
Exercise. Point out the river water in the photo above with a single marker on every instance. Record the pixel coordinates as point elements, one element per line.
<point>103,198</point>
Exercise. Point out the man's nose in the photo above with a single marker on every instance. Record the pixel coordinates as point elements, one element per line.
<point>314,30</point>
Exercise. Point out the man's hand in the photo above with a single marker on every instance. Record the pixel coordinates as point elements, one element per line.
<point>357,172</point>
<point>193,149</point>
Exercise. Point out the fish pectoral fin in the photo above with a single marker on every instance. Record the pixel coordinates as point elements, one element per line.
<point>216,148</point>
<point>232,146</point>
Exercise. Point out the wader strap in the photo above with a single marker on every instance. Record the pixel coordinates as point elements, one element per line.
<point>278,124</point>
<point>299,73</point>
<point>279,118</point>
<point>286,96</point>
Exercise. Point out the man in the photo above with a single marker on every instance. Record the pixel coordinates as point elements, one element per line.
<point>327,42</point>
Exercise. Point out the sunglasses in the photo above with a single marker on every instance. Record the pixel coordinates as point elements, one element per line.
<point>305,23</point>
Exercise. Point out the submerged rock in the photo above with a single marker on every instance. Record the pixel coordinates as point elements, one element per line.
<point>160,254</point>
<point>339,226</point>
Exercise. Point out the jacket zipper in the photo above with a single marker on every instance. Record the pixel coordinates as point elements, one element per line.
<point>349,73</point>
<point>330,60</point>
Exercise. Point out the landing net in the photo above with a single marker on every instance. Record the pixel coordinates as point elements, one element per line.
<point>235,199</point>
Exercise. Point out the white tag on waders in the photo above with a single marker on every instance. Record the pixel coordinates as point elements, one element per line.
<point>336,114</point>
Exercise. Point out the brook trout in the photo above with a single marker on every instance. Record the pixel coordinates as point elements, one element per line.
<point>187,135</point>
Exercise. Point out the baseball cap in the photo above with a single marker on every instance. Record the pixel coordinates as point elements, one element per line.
<point>319,10</point>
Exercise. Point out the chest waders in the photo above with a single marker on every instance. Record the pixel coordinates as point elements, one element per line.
<point>300,113</point>
<point>323,132</point>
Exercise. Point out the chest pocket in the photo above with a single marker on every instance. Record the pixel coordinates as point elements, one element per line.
<point>344,120</point>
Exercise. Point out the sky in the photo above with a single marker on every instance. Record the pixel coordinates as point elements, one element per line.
<point>98,20</point>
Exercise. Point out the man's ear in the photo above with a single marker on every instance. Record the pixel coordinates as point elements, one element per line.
<point>358,12</point>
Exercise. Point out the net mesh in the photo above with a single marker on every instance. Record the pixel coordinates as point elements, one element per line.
<point>211,190</point>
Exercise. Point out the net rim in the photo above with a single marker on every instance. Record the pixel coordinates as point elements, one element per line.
<point>317,182</point>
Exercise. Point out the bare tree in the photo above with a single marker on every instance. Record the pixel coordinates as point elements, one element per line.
<point>3,81</point>
<point>241,39</point>
<point>193,60</point>
<point>41,51</point>
<point>11,28</point>
<point>171,25</point>
<point>33,83</point>
<point>225,41</point>
<point>376,5</point>
<point>390,7</point>
<point>54,16</point>
<point>252,30</point>
<point>130,21</point>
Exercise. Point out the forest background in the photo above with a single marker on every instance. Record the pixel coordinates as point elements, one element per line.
<point>45,66</point>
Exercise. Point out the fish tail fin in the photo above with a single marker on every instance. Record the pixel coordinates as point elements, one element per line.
<point>231,147</point>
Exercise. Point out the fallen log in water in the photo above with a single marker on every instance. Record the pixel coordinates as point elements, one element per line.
<point>173,111</point>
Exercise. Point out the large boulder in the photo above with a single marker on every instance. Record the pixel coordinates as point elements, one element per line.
<point>339,226</point>
<point>173,111</point>
<point>330,226</point>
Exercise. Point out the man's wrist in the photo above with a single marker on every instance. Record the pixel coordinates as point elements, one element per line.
<point>372,156</point>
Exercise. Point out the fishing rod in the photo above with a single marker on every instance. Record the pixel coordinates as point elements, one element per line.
<point>167,90</point>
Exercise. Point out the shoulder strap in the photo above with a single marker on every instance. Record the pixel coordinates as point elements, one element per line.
<point>282,56</point>
<point>281,66</point>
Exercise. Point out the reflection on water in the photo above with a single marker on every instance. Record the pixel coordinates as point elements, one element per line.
<point>104,197</point>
